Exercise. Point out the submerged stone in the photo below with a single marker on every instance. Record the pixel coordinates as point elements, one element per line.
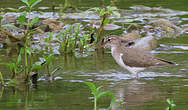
<point>169,29</point>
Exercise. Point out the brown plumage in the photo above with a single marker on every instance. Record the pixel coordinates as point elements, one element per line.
<point>137,58</point>
<point>130,58</point>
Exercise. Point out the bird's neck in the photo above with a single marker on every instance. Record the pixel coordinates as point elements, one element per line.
<point>115,50</point>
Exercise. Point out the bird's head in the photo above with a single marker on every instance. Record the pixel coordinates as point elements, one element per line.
<point>111,41</point>
<point>114,41</point>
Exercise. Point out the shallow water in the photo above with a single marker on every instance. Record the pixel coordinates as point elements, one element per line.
<point>68,93</point>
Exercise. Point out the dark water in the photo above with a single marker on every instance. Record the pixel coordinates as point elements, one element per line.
<point>68,92</point>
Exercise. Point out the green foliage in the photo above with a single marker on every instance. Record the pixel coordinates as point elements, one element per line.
<point>14,65</point>
<point>29,4</point>
<point>171,104</point>
<point>48,43</point>
<point>22,18</point>
<point>48,58</point>
<point>97,94</point>
<point>33,21</point>
<point>1,18</point>
<point>72,38</point>
<point>2,79</point>
<point>104,14</point>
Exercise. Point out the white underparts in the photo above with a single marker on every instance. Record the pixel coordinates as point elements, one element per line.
<point>119,60</point>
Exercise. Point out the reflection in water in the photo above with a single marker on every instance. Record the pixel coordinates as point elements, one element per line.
<point>100,58</point>
<point>134,92</point>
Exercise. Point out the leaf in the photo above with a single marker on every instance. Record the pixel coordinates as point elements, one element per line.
<point>105,93</point>
<point>168,101</point>
<point>26,2</point>
<point>106,21</point>
<point>21,51</point>
<point>34,20</point>
<point>28,50</point>
<point>18,59</point>
<point>35,3</point>
<point>173,105</point>
<point>92,88</point>
<point>13,9</point>
<point>21,7</point>
<point>102,12</point>
<point>10,26</point>
<point>36,66</point>
<point>22,19</point>
<point>94,9</point>
<point>99,88</point>
<point>49,59</point>
<point>20,56</point>
<point>1,18</point>
<point>167,108</point>
<point>31,2</point>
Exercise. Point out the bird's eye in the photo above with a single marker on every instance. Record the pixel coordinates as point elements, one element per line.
<point>108,39</point>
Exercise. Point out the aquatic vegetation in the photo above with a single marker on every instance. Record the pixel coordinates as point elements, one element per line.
<point>48,43</point>
<point>28,23</point>
<point>97,94</point>
<point>171,104</point>
<point>2,79</point>
<point>104,14</point>
<point>14,65</point>
<point>72,38</point>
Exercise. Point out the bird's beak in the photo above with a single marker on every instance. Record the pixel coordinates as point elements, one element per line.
<point>103,45</point>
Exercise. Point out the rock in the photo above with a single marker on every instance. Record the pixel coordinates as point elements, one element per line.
<point>9,19</point>
<point>131,36</point>
<point>168,28</point>
<point>142,8</point>
<point>111,27</point>
<point>133,27</point>
<point>53,24</point>
<point>184,27</point>
<point>96,24</point>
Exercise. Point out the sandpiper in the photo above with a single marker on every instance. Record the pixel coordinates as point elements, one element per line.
<point>133,59</point>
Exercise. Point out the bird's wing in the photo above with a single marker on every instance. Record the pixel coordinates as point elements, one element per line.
<point>139,58</point>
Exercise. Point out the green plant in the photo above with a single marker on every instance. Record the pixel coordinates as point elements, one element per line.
<point>14,65</point>
<point>2,79</point>
<point>48,60</point>
<point>28,23</point>
<point>48,43</point>
<point>29,5</point>
<point>171,104</point>
<point>71,38</point>
<point>97,94</point>
<point>104,14</point>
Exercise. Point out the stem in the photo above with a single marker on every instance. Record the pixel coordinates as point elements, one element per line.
<point>26,65</point>
<point>25,46</point>
<point>95,103</point>
<point>48,69</point>
<point>2,79</point>
<point>100,33</point>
